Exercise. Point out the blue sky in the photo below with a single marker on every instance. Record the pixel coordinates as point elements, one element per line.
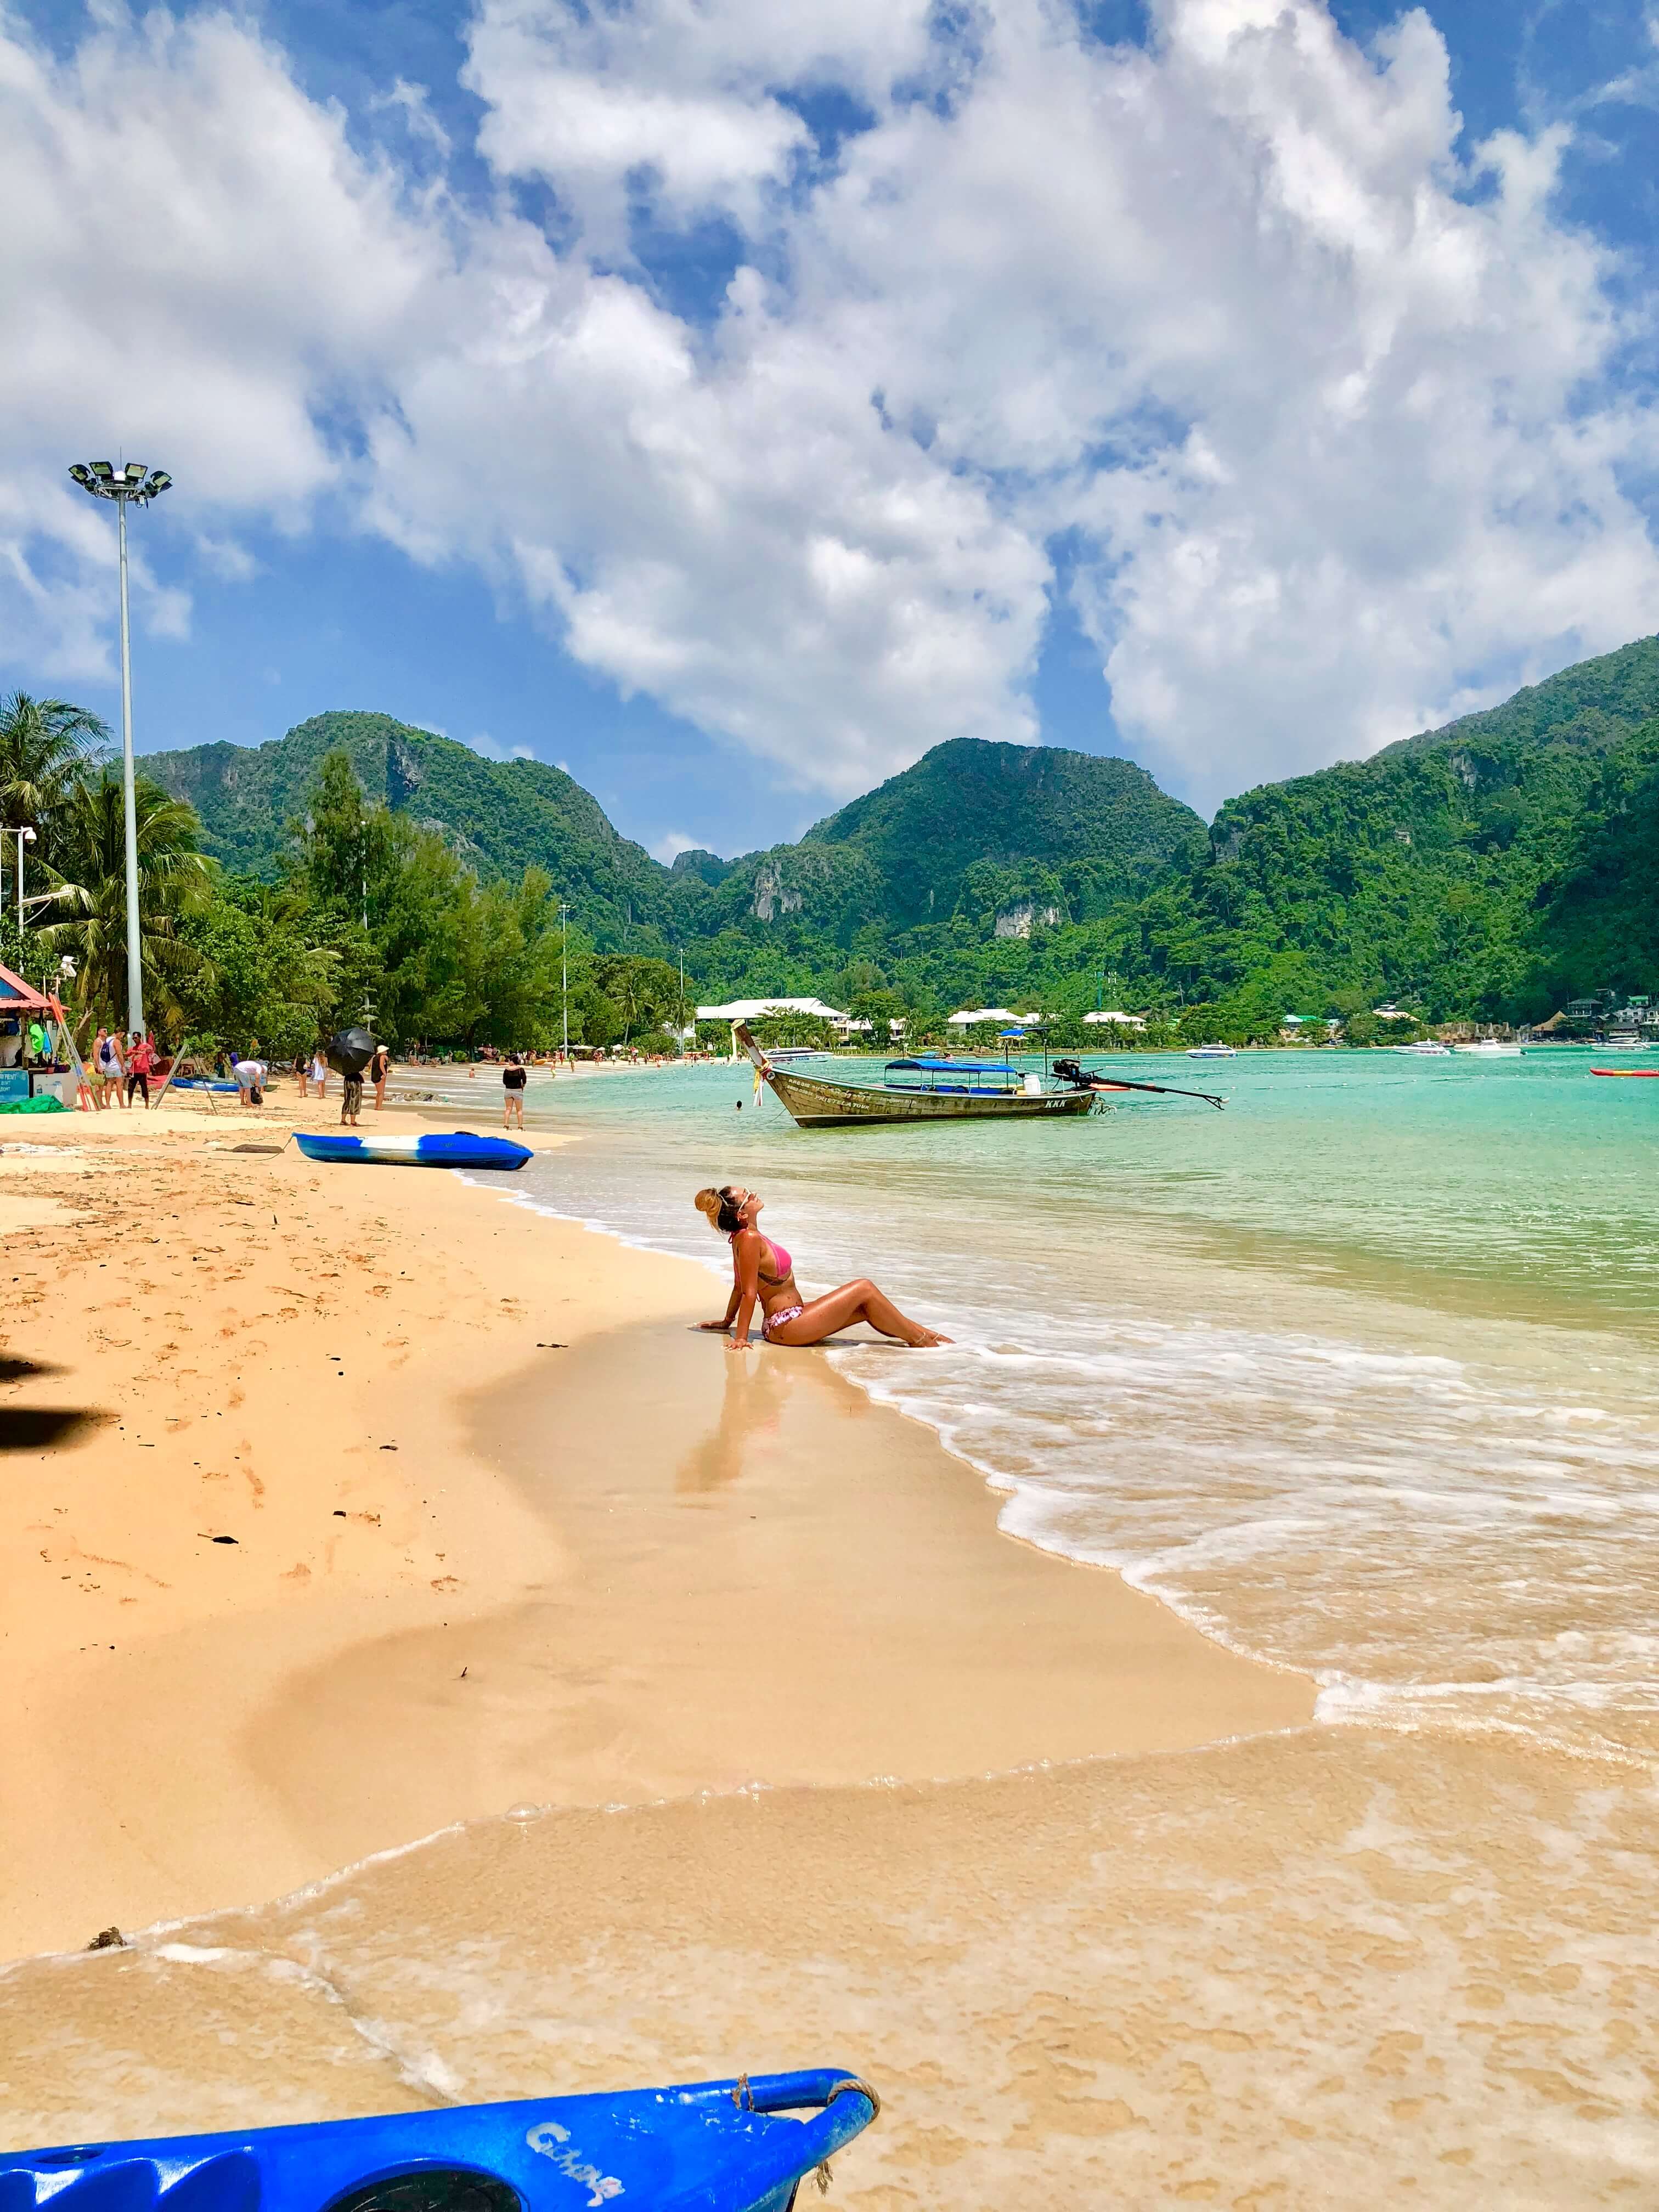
<point>729,403</point>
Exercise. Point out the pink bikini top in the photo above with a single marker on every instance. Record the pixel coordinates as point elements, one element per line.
<point>782,1266</point>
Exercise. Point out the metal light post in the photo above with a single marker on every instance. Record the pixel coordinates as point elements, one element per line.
<point>131,482</point>
<point>564,980</point>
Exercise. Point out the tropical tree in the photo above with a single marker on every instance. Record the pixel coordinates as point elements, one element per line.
<point>264,974</point>
<point>44,744</point>
<point>88,877</point>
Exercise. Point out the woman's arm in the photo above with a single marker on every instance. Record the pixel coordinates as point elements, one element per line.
<point>747,1254</point>
<point>724,1321</point>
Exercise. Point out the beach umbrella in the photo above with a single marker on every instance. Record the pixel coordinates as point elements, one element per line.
<point>350,1052</point>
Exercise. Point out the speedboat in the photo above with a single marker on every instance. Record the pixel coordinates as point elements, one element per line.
<point>703,2147</point>
<point>1428,1051</point>
<point>1487,1048</point>
<point>1212,1052</point>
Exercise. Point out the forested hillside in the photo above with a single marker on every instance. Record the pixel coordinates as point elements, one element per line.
<point>498,816</point>
<point>1492,868</point>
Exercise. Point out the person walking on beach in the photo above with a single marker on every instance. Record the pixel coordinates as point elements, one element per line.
<point>763,1273</point>
<point>351,1103</point>
<point>513,1078</point>
<point>301,1072</point>
<point>140,1060</point>
<point>319,1072</point>
<point>379,1068</point>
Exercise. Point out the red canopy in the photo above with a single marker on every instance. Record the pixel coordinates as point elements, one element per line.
<point>16,997</point>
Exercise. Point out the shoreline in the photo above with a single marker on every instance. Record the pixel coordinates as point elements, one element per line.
<point>637,1633</point>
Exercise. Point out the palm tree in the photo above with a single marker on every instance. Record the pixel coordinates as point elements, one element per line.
<point>44,747</point>
<point>89,874</point>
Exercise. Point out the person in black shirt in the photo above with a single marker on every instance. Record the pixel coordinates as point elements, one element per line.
<point>513,1078</point>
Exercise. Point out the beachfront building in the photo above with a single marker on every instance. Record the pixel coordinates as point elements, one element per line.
<point>28,1020</point>
<point>970,1016</point>
<point>760,1010</point>
<point>1114,1015</point>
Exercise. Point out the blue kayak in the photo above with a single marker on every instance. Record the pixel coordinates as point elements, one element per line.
<point>706,2146</point>
<point>455,1148</point>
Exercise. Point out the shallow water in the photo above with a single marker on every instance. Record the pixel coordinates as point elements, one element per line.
<point>1359,1374</point>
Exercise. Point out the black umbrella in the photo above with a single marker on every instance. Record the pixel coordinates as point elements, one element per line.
<point>350,1052</point>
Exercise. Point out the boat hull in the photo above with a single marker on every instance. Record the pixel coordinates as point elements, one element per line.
<point>817,1105</point>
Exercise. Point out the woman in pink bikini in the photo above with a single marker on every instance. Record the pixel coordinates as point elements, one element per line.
<point>763,1273</point>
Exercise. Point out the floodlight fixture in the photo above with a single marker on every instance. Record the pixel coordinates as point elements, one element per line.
<point>132,484</point>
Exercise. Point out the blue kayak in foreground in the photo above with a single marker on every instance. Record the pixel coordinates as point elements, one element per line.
<point>706,2146</point>
<point>455,1148</point>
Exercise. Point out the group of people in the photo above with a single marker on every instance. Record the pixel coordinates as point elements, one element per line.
<point>317,1070</point>
<point>121,1059</point>
<point>763,1275</point>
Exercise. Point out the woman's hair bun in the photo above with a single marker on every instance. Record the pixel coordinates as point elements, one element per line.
<point>720,1212</point>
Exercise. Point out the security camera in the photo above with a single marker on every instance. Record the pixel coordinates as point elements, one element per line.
<point>28,836</point>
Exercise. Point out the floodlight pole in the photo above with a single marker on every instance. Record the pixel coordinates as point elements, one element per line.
<point>131,481</point>
<point>564,980</point>
<point>129,804</point>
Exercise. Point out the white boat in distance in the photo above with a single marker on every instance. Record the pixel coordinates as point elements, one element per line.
<point>1212,1052</point>
<point>1490,1048</point>
<point>1423,1051</point>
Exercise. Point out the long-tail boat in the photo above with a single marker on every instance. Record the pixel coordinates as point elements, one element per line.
<point>917,1091</point>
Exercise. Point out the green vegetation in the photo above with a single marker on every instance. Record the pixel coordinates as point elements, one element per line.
<point>1491,870</point>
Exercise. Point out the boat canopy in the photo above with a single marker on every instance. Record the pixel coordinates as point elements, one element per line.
<point>944,1066</point>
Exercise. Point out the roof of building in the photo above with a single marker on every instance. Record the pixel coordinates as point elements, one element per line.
<point>17,996</point>
<point>749,1010</point>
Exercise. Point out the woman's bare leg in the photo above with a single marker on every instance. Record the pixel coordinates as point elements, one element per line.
<point>844,1308</point>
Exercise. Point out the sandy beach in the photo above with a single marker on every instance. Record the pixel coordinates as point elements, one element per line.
<point>332,1437</point>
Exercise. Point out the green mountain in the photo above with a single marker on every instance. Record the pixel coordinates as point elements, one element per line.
<point>1101,826</point>
<point>1013,838</point>
<point>1594,704</point>
<point>1494,867</point>
<point>1489,867</point>
<point>500,817</point>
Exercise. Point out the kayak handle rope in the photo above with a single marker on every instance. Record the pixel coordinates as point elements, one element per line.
<point>743,2097</point>
<point>821,2173</point>
<point>862,2088</point>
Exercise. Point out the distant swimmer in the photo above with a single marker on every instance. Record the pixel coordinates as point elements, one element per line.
<point>763,1273</point>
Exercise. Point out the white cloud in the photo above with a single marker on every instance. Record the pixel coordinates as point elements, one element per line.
<point>1325,419</point>
<point>231,562</point>
<point>669,846</point>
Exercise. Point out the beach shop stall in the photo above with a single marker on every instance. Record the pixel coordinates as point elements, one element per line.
<point>35,1061</point>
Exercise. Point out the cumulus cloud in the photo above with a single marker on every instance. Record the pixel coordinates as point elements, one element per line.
<point>1322,410</point>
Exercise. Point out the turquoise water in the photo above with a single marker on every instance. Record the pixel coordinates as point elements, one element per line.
<point>1531,1177</point>
<point>1358,1375</point>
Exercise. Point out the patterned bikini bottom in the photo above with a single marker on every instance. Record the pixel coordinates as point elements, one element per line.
<point>777,1320</point>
